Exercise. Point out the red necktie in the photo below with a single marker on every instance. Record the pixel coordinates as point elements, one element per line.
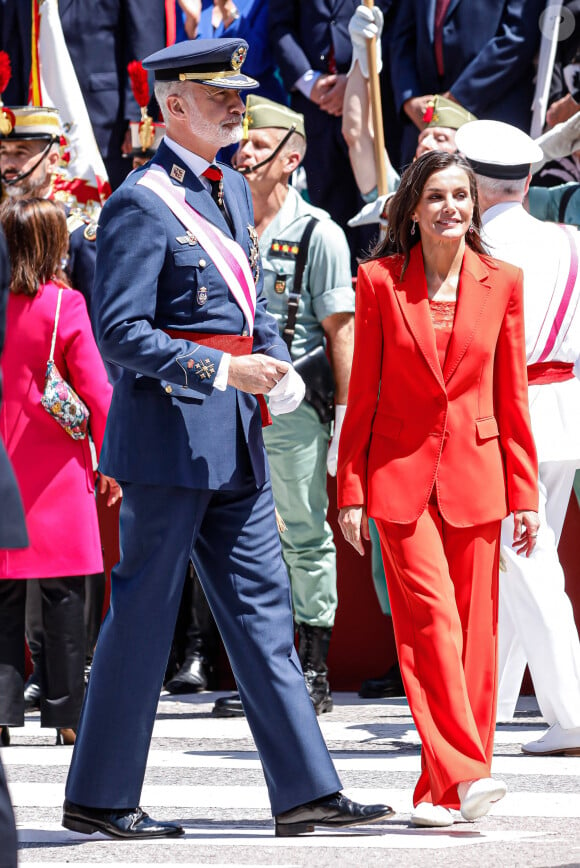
<point>215,178</point>
<point>440,13</point>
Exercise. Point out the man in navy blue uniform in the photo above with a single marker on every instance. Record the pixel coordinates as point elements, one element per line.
<point>177,304</point>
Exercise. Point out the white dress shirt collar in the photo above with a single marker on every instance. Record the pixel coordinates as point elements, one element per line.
<point>197,164</point>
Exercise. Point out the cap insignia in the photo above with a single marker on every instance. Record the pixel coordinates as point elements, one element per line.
<point>238,57</point>
<point>7,120</point>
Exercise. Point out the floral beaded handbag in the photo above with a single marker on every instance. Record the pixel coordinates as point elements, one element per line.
<point>59,398</point>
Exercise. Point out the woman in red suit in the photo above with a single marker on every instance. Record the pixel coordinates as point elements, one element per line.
<point>54,472</point>
<point>437,448</point>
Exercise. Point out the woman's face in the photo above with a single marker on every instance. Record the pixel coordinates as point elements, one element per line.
<point>445,208</point>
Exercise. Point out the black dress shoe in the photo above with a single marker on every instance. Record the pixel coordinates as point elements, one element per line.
<point>335,811</point>
<point>228,706</point>
<point>190,678</point>
<point>117,823</point>
<point>389,684</point>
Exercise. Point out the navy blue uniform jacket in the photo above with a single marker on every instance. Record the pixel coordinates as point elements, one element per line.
<point>167,424</point>
<point>488,52</point>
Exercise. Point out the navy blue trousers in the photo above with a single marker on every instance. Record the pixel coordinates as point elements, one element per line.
<point>233,541</point>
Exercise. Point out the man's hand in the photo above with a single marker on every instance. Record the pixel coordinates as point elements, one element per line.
<point>561,110</point>
<point>328,93</point>
<point>192,10</point>
<point>526,526</point>
<point>354,523</point>
<point>416,107</point>
<point>110,485</point>
<point>256,373</point>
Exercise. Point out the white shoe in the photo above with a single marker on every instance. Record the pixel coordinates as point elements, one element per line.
<point>477,797</point>
<point>555,740</point>
<point>426,814</point>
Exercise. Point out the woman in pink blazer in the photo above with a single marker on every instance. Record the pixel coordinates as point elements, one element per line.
<point>55,473</point>
<point>437,448</point>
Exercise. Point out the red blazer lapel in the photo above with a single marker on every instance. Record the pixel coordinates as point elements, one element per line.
<point>474,289</point>
<point>411,293</point>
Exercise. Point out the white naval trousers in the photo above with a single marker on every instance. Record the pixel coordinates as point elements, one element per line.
<point>536,622</point>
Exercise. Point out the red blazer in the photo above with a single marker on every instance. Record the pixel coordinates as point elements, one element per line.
<point>409,425</point>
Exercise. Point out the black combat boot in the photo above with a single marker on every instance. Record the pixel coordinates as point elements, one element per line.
<point>313,645</point>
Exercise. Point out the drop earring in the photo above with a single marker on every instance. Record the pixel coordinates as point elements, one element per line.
<point>413,227</point>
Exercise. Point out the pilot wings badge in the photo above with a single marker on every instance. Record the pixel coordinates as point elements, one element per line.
<point>254,252</point>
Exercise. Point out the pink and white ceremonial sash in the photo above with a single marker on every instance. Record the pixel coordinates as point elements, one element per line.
<point>226,254</point>
<point>562,306</point>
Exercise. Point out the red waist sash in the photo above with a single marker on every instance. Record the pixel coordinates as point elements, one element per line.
<point>542,373</point>
<point>235,345</point>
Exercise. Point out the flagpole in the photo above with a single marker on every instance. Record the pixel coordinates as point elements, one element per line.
<point>376,111</point>
<point>35,93</point>
<point>547,56</point>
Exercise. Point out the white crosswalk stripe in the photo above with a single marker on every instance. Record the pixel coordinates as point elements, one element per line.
<point>206,772</point>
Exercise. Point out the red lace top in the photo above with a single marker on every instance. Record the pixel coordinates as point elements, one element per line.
<point>442,316</point>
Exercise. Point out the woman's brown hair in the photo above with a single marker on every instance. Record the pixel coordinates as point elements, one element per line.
<point>399,238</point>
<point>37,238</point>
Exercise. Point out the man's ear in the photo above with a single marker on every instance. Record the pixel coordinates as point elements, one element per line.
<point>174,107</point>
<point>291,161</point>
<point>53,159</point>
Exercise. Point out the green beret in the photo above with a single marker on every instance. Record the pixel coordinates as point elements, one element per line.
<point>262,112</point>
<point>443,112</point>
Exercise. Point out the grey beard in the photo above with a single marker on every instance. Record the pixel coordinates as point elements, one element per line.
<point>29,188</point>
<point>220,137</point>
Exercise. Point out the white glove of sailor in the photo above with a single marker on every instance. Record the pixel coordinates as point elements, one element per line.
<point>287,394</point>
<point>332,456</point>
<point>371,212</point>
<point>364,24</point>
<point>561,140</point>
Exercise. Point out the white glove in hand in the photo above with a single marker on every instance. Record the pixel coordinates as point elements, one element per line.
<point>287,394</point>
<point>371,213</point>
<point>561,140</point>
<point>364,24</point>
<point>332,457</point>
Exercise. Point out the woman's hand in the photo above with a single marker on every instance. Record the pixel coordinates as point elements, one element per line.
<point>115,492</point>
<point>354,523</point>
<point>526,525</point>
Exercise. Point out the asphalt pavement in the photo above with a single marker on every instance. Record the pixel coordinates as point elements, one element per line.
<point>205,772</point>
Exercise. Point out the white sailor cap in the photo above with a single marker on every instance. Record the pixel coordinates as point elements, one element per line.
<point>497,150</point>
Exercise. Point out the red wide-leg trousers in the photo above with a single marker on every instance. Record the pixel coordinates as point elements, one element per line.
<point>443,590</point>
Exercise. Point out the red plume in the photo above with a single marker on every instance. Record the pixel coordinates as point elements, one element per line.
<point>5,71</point>
<point>139,82</point>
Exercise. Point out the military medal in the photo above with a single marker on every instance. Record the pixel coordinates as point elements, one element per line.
<point>201,295</point>
<point>90,232</point>
<point>188,238</point>
<point>280,285</point>
<point>254,252</point>
<point>284,249</point>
